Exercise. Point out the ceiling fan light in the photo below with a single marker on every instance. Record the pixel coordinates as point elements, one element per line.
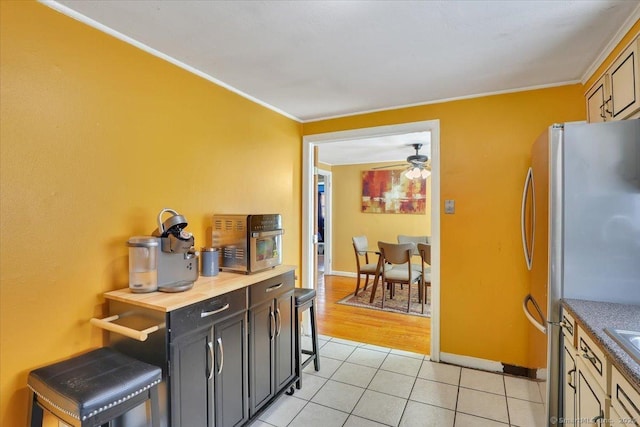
<point>413,173</point>
<point>425,173</point>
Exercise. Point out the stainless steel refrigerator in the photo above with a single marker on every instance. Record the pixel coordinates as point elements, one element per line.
<point>580,231</point>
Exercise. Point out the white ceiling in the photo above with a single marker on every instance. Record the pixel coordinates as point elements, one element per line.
<point>317,59</point>
<point>373,150</point>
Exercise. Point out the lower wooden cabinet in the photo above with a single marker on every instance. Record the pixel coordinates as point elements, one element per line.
<point>271,340</point>
<point>590,398</point>
<point>190,387</point>
<point>594,392</point>
<point>625,401</point>
<point>208,369</point>
<point>231,372</point>
<point>569,383</point>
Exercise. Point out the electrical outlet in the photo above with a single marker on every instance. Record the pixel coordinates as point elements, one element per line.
<point>449,206</point>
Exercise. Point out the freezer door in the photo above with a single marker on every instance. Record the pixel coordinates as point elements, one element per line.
<point>601,212</point>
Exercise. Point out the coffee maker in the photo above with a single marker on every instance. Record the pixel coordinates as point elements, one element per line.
<point>177,260</point>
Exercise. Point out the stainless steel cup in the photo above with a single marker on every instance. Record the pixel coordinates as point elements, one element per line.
<point>209,260</point>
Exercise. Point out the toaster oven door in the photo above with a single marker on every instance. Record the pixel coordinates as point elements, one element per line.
<point>265,250</point>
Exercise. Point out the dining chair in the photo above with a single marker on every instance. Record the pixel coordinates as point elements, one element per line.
<point>361,249</point>
<point>424,250</point>
<point>398,255</point>
<point>403,238</point>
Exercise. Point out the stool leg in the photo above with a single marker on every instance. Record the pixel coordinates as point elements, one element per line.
<point>36,414</point>
<point>298,351</point>
<point>155,406</point>
<point>314,336</point>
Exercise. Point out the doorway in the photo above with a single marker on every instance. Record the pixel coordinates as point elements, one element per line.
<point>310,142</point>
<point>324,222</point>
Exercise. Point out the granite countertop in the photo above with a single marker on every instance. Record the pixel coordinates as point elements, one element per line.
<point>594,316</point>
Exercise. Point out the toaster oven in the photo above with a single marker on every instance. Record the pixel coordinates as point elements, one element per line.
<point>248,243</point>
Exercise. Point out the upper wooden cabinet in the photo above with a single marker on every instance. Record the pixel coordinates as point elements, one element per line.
<point>616,95</point>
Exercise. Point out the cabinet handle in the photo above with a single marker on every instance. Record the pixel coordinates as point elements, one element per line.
<point>591,359</point>
<point>219,340</point>
<point>278,322</point>
<point>274,287</point>
<point>210,346</point>
<point>602,111</point>
<point>570,376</point>
<point>588,354</point>
<point>211,313</point>
<point>605,106</point>
<point>598,418</point>
<point>528,246</point>
<point>272,324</point>
<point>123,330</point>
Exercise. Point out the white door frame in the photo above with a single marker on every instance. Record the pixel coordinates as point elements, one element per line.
<point>308,144</point>
<point>328,220</point>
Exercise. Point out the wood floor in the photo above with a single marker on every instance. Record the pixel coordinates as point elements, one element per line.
<point>400,331</point>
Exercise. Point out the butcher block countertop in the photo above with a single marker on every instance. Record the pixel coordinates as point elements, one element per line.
<point>203,289</point>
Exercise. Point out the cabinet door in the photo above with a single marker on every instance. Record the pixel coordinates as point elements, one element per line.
<point>231,379</point>
<point>285,339</point>
<point>625,401</point>
<point>596,101</point>
<point>262,329</point>
<point>190,382</point>
<point>625,87</point>
<point>569,391</point>
<point>591,399</point>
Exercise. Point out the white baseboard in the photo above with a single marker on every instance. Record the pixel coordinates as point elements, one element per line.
<point>541,374</point>
<point>343,273</point>
<point>471,362</point>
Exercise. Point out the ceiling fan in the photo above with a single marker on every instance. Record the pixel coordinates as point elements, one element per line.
<point>418,165</point>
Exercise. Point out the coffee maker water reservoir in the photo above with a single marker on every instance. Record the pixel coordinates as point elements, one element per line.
<point>143,264</point>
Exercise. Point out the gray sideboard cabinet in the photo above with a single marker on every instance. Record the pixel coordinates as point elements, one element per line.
<point>225,357</point>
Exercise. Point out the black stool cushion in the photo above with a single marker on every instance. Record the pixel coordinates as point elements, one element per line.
<point>303,295</point>
<point>88,384</point>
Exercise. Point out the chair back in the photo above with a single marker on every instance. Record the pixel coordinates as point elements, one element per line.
<point>396,253</point>
<point>361,244</point>
<point>402,238</point>
<point>425,252</point>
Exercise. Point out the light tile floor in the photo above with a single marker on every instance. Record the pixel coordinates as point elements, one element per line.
<point>361,385</point>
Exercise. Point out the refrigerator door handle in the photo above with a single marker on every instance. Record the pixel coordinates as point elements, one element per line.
<point>526,245</point>
<point>541,326</point>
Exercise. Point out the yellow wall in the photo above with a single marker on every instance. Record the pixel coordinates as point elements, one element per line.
<point>349,221</point>
<point>97,137</point>
<point>485,145</point>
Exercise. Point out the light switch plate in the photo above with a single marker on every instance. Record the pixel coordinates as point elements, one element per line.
<point>449,206</point>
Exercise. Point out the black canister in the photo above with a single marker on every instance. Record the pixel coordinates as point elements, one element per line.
<point>209,260</point>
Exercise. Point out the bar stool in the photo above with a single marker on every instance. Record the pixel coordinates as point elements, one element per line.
<point>306,299</point>
<point>93,389</point>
